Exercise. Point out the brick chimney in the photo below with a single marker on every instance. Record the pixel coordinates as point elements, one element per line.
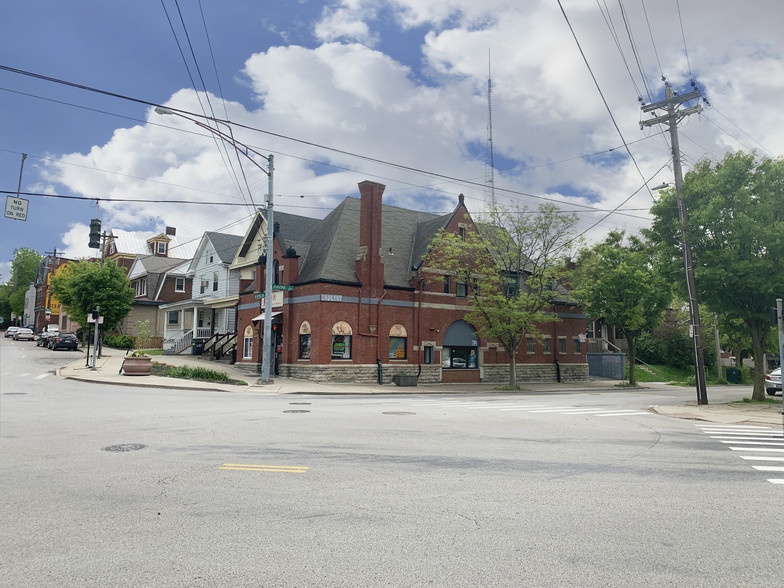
<point>370,267</point>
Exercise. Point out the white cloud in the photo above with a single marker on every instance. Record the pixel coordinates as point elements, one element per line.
<point>431,114</point>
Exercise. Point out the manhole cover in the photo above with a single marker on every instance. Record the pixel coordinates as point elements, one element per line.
<point>124,447</point>
<point>14,393</point>
<point>296,411</point>
<point>299,403</point>
<point>399,413</point>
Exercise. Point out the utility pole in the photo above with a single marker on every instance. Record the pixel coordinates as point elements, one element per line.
<point>671,120</point>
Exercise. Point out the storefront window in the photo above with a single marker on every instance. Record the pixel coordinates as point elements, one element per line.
<point>304,346</point>
<point>459,358</point>
<point>341,346</point>
<point>397,348</point>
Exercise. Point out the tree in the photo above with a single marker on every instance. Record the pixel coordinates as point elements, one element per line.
<point>617,282</point>
<point>511,264</point>
<point>24,269</point>
<point>81,286</point>
<point>736,231</point>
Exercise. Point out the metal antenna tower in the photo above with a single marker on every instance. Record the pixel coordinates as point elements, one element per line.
<point>489,163</point>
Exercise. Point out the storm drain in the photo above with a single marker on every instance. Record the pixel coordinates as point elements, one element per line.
<point>296,411</point>
<point>398,413</point>
<point>122,447</point>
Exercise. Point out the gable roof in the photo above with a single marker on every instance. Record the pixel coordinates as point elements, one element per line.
<point>225,245</point>
<point>137,243</point>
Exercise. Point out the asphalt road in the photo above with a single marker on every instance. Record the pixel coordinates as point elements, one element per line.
<point>448,490</point>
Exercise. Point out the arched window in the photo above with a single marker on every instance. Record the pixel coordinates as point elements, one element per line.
<point>398,336</point>
<point>341,340</point>
<point>461,349</point>
<point>275,272</point>
<point>304,340</point>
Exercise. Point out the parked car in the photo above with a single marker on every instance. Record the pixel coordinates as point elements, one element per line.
<point>9,332</point>
<point>24,333</point>
<point>773,382</point>
<point>63,341</point>
<point>43,338</point>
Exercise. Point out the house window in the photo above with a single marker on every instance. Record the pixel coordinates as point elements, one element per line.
<point>215,282</point>
<point>179,284</point>
<point>341,340</point>
<point>461,289</point>
<point>511,287</point>
<point>174,317</point>
<point>304,340</point>
<point>447,284</point>
<point>275,272</point>
<point>210,258</point>
<point>204,285</point>
<point>529,344</point>
<point>398,336</point>
<point>141,287</point>
<point>247,347</point>
<point>576,345</point>
<point>461,230</point>
<point>428,349</point>
<point>547,346</point>
<point>561,344</point>
<point>161,247</point>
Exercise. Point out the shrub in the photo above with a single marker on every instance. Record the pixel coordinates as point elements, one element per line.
<point>118,341</point>
<point>197,373</point>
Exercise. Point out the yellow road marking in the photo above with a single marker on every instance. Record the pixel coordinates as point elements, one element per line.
<point>264,468</point>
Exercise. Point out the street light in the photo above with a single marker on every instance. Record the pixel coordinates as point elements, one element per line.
<point>246,151</point>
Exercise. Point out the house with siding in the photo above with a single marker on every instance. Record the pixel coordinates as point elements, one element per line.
<point>354,301</point>
<point>156,280</point>
<point>210,311</point>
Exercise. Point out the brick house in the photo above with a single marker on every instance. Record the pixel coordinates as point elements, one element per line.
<point>351,304</point>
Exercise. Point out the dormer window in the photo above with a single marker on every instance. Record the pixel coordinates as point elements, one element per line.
<point>161,248</point>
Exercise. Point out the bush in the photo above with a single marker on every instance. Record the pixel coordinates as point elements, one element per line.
<point>197,373</point>
<point>118,341</point>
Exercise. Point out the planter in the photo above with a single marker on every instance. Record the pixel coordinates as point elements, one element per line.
<point>137,366</point>
<point>405,380</point>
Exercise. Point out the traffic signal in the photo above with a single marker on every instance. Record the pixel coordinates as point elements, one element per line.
<point>95,233</point>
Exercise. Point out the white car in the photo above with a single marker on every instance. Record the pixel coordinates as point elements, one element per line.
<point>24,333</point>
<point>10,331</point>
<point>773,382</point>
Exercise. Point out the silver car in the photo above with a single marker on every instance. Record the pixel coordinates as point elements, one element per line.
<point>773,382</point>
<point>24,333</point>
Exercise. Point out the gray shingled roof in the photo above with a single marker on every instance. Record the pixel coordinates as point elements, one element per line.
<point>226,245</point>
<point>333,244</point>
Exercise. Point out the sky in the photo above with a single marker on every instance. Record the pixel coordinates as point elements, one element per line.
<point>392,91</point>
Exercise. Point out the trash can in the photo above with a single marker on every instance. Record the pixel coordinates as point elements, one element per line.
<point>197,347</point>
<point>734,375</point>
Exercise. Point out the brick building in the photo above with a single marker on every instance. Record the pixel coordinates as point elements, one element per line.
<point>349,305</point>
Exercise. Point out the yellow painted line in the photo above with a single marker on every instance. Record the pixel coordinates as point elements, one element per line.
<point>264,468</point>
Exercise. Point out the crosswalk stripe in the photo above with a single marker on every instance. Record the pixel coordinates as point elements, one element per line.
<point>623,413</point>
<point>754,443</point>
<point>767,433</point>
<point>776,481</point>
<point>756,449</point>
<point>264,468</point>
<point>42,376</point>
<point>779,438</point>
<point>769,468</point>
<point>761,458</point>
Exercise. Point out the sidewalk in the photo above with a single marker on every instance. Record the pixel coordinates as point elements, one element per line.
<point>108,372</point>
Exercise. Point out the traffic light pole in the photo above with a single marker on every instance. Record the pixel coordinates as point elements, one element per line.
<point>96,314</point>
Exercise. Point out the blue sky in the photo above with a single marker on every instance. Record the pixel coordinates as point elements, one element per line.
<point>401,81</point>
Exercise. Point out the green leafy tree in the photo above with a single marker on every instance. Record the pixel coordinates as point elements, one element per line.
<point>510,264</point>
<point>736,231</point>
<point>616,281</point>
<point>83,285</point>
<point>23,271</point>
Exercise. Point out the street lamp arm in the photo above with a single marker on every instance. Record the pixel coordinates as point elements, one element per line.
<point>229,138</point>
